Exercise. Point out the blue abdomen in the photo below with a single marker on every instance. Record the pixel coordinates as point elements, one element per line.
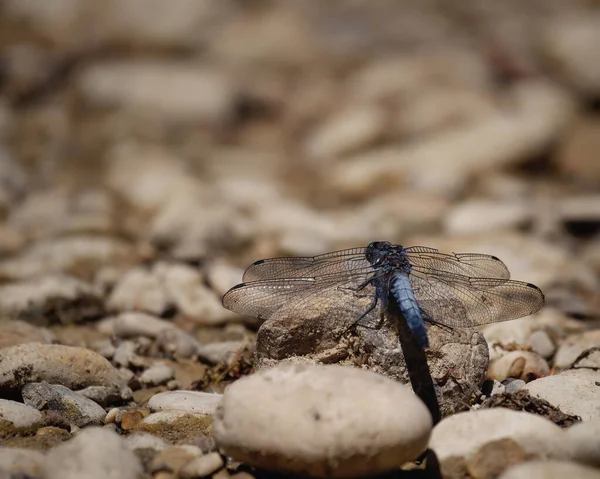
<point>405,297</point>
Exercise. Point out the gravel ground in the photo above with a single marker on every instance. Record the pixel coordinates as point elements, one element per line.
<point>150,151</point>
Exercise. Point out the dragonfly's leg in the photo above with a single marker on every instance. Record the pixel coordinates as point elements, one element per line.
<point>450,329</point>
<point>378,297</point>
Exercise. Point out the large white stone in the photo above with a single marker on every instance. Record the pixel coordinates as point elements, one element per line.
<point>550,470</point>
<point>322,421</point>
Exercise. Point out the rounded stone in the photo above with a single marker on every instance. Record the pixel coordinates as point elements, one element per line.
<point>550,470</point>
<point>322,421</point>
<point>190,401</point>
<point>17,418</point>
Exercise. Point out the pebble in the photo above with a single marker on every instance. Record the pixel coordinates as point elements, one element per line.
<point>480,216</point>
<point>144,440</point>
<point>176,426</point>
<point>104,395</point>
<point>174,90</point>
<point>133,324</point>
<point>222,276</point>
<point>514,385</point>
<point>14,331</point>
<point>573,392</point>
<point>541,344</point>
<point>215,353</point>
<point>125,355</point>
<point>70,366</point>
<point>577,155</point>
<point>190,401</point>
<point>573,346</point>
<point>56,298</point>
<point>202,466</point>
<point>63,404</point>
<point>550,470</point>
<point>94,453</point>
<point>178,343</point>
<point>524,365</point>
<point>21,462</point>
<point>18,418</point>
<point>139,290</point>
<point>463,434</point>
<point>277,418</point>
<point>583,440</point>
<point>159,373</point>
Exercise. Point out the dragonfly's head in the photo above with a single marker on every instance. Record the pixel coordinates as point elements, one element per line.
<point>377,251</point>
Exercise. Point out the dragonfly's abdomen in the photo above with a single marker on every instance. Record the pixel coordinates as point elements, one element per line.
<point>405,297</point>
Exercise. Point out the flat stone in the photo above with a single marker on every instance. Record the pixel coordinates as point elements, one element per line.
<point>17,418</point>
<point>190,401</point>
<point>70,366</point>
<point>95,453</point>
<point>321,421</point>
<point>550,470</point>
<point>63,405</point>
<point>176,426</point>
<point>574,392</point>
<point>463,434</point>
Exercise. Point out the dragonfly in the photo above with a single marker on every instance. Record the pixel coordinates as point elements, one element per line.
<point>354,286</point>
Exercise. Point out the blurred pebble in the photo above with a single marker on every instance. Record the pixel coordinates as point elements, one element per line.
<point>190,401</point>
<point>144,440</point>
<point>578,153</point>
<point>170,89</point>
<point>572,346</point>
<point>463,434</point>
<point>132,324</point>
<point>178,343</point>
<point>573,392</point>
<point>72,367</point>
<point>13,179</point>
<point>157,374</point>
<point>541,344</point>
<point>125,355</point>
<point>568,44</point>
<point>94,453</point>
<point>56,298</point>
<point>18,418</point>
<point>222,351</point>
<point>482,216</point>
<point>176,425</point>
<point>351,129</point>
<point>202,466</point>
<point>524,365</point>
<point>21,462</point>
<point>62,255</point>
<point>107,395</point>
<point>268,412</point>
<point>71,407</point>
<point>139,290</point>
<point>549,469</point>
<point>13,332</point>
<point>584,442</point>
<point>131,419</point>
<point>174,458</point>
<point>222,276</point>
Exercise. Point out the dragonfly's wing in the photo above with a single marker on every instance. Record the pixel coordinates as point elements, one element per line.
<point>339,262</point>
<point>431,261</point>
<point>459,301</point>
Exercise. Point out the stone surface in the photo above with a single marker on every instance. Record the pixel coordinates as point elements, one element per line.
<point>550,470</point>
<point>191,401</point>
<point>573,392</point>
<point>62,406</point>
<point>525,365</point>
<point>583,441</point>
<point>463,434</point>
<point>177,426</point>
<point>13,332</point>
<point>17,418</point>
<point>72,367</point>
<point>573,346</point>
<point>95,453</point>
<point>21,461</point>
<point>284,412</point>
<point>202,466</point>
<point>477,216</point>
<point>159,373</point>
<point>144,440</point>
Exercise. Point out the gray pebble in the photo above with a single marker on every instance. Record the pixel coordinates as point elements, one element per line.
<point>18,418</point>
<point>202,466</point>
<point>157,374</point>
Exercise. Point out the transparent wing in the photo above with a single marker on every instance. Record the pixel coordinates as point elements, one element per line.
<point>459,301</point>
<point>339,262</point>
<point>430,261</point>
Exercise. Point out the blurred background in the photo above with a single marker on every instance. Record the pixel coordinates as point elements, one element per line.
<point>218,132</point>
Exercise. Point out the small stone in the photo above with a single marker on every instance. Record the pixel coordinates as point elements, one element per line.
<point>215,353</point>
<point>550,470</point>
<point>573,392</point>
<point>144,440</point>
<point>125,354</point>
<point>493,458</point>
<point>573,346</point>
<point>131,419</point>
<point>541,344</point>
<point>191,401</point>
<point>111,415</point>
<point>157,374</point>
<point>13,332</point>
<point>275,419</point>
<point>577,155</point>
<point>514,385</point>
<point>139,290</point>
<point>524,365</point>
<point>17,418</point>
<point>174,458</point>
<point>48,299</point>
<point>463,434</point>
<point>479,216</point>
<point>105,396</point>
<point>72,367</point>
<point>21,462</point>
<point>94,453</point>
<point>178,343</point>
<point>222,276</point>
<point>202,466</point>
<point>133,324</point>
<point>73,408</point>
<point>176,426</point>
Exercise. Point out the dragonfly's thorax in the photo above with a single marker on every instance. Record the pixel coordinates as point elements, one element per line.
<point>387,257</point>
